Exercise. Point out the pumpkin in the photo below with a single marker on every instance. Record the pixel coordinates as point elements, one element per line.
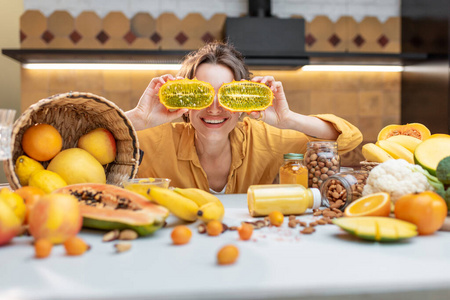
<point>416,130</point>
<point>427,210</point>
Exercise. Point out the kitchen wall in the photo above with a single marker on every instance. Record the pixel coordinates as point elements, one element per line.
<point>10,12</point>
<point>334,9</point>
<point>370,100</point>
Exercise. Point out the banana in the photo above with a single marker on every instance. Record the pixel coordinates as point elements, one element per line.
<point>373,153</point>
<point>406,141</point>
<point>199,196</point>
<point>182,207</point>
<point>396,151</point>
<point>211,211</point>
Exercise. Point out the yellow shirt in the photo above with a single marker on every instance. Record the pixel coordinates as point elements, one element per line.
<point>257,152</point>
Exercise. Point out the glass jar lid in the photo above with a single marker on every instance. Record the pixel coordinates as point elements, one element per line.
<point>293,156</point>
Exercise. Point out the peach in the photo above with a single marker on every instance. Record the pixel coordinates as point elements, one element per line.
<point>9,224</point>
<point>100,143</point>
<point>55,217</point>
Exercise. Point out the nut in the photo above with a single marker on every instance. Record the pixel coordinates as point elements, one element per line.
<point>111,235</point>
<point>321,222</point>
<point>301,223</point>
<point>122,247</point>
<point>260,224</point>
<point>312,224</point>
<point>330,214</point>
<point>308,230</point>
<point>201,228</point>
<point>292,223</point>
<point>224,227</point>
<point>233,228</point>
<point>128,234</point>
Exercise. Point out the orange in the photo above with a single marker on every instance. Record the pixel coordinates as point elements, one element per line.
<point>42,142</point>
<point>214,228</point>
<point>75,246</point>
<point>42,248</point>
<point>427,210</point>
<point>276,218</point>
<point>227,255</point>
<point>30,195</point>
<point>376,205</point>
<point>181,235</point>
<point>245,231</point>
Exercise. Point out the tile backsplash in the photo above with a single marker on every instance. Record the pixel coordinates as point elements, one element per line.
<point>334,9</point>
<point>61,30</point>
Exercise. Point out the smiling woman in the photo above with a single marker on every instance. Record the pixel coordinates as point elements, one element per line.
<point>214,149</point>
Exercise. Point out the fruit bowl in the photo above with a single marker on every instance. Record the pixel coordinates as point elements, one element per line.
<point>73,114</point>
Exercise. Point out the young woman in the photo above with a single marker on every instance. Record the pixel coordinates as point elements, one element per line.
<point>213,150</point>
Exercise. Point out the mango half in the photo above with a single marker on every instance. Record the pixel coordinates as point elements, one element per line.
<point>381,229</point>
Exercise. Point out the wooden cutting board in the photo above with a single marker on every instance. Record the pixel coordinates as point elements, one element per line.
<point>446,226</point>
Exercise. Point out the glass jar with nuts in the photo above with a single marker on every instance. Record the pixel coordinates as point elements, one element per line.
<point>322,161</point>
<point>339,190</point>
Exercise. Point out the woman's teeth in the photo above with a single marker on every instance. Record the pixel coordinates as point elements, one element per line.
<point>214,121</point>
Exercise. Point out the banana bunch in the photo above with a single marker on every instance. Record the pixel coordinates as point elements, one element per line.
<point>394,147</point>
<point>189,204</point>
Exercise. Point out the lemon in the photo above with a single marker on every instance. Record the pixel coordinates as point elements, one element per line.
<point>378,204</point>
<point>46,180</point>
<point>15,202</point>
<point>25,166</point>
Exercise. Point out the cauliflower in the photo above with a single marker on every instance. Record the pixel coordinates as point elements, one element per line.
<point>396,177</point>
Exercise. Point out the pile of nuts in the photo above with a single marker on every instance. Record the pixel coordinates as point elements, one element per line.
<point>322,161</point>
<point>124,235</point>
<point>344,188</point>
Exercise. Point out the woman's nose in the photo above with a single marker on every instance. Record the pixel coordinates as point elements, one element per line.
<point>215,107</point>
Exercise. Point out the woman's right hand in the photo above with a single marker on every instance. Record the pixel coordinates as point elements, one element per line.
<point>149,111</point>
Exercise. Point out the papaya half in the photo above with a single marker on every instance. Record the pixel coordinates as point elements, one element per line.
<point>416,130</point>
<point>108,207</point>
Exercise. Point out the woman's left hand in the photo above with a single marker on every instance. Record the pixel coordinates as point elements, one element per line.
<point>277,114</point>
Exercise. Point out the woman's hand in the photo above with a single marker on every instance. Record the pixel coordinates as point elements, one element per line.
<point>277,114</point>
<point>149,111</point>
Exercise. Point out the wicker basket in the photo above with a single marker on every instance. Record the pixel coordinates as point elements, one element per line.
<point>368,165</point>
<point>74,114</point>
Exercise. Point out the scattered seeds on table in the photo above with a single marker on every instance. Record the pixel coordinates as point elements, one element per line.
<point>122,247</point>
<point>128,234</point>
<point>111,235</point>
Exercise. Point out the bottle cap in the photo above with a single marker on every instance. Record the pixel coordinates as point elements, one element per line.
<point>293,156</point>
<point>317,198</point>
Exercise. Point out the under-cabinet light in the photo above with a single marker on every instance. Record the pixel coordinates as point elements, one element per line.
<point>351,68</point>
<point>99,66</point>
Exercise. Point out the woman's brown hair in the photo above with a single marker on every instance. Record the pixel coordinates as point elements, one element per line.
<point>218,53</point>
<point>215,53</point>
